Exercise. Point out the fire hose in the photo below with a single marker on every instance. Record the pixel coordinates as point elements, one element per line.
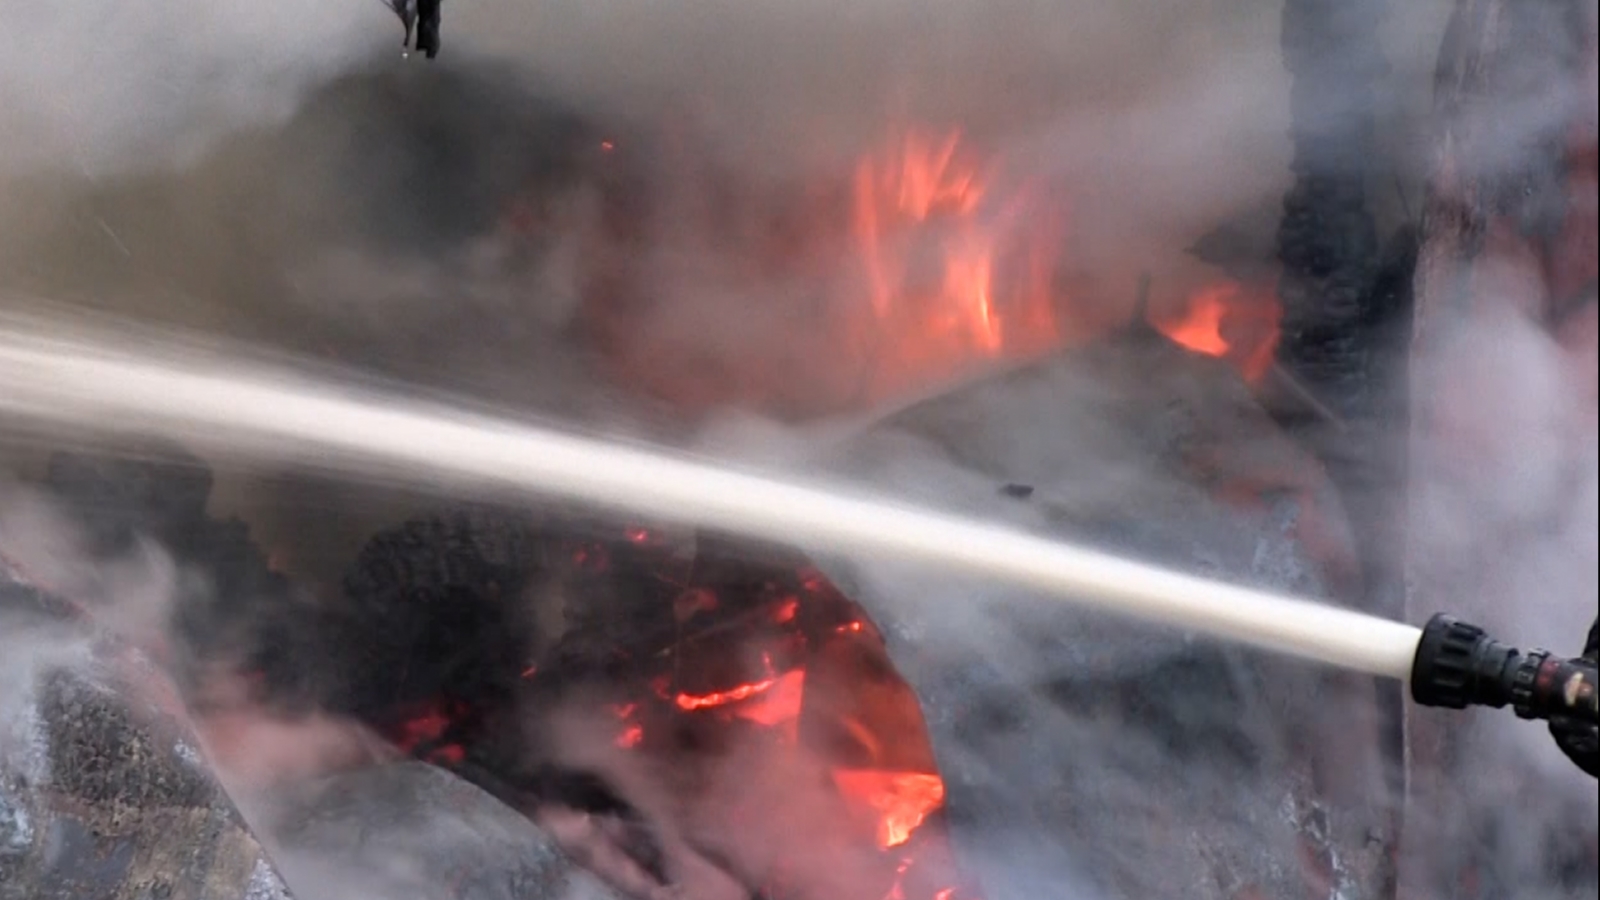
<point>99,386</point>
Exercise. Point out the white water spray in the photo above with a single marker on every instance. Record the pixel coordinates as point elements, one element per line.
<point>87,385</point>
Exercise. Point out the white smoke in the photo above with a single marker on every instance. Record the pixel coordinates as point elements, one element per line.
<point>107,88</point>
<point>1506,499</point>
<point>1164,118</point>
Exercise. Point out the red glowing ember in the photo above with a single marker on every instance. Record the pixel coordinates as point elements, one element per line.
<point>777,657</point>
<point>427,735</point>
<point>692,702</point>
<point>891,801</point>
<point>779,705</point>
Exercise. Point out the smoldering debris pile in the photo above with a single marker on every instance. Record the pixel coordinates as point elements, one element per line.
<point>106,792</point>
<point>654,700</point>
<point>1064,737</point>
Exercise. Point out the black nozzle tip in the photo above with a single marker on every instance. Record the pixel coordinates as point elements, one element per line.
<point>1458,666</point>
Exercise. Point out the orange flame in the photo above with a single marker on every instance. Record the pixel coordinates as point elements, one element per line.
<point>951,280</point>
<point>948,261</point>
<point>902,800</point>
<point>1200,329</point>
<point>931,246</point>
<point>1227,321</point>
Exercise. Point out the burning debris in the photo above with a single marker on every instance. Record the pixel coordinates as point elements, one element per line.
<point>693,713</point>
<point>924,261</point>
<point>672,707</point>
<point>1065,738</point>
<point>688,652</point>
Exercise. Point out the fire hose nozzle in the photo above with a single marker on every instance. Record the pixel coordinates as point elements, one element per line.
<point>1458,665</point>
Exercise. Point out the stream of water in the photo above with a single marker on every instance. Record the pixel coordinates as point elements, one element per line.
<point>64,380</point>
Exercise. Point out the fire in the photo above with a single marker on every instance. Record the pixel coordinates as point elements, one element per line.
<point>919,260</point>
<point>631,736</point>
<point>931,237</point>
<point>902,800</point>
<point>692,702</point>
<point>896,803</point>
<point>781,704</point>
<point>1227,321</point>
<point>1200,329</point>
<point>819,687</point>
<point>425,735</point>
<point>771,701</point>
<point>958,271</point>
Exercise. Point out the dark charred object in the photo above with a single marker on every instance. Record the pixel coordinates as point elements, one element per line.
<point>1327,238</point>
<point>1345,291</point>
<point>428,629</point>
<point>430,612</point>
<point>421,20</point>
<point>426,160</point>
<point>235,606</point>
<point>1458,665</point>
<point>435,621</point>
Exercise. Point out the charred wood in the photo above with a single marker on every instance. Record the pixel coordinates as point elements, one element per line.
<point>231,610</point>
<point>1346,295</point>
<point>1327,238</point>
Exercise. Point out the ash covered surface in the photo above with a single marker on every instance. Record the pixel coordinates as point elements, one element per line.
<point>1078,748</point>
<point>410,831</point>
<point>99,798</point>
<point>102,796</point>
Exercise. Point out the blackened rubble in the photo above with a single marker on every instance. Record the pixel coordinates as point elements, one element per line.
<point>457,633</point>
<point>665,631</point>
<point>423,616</point>
<point>232,610</point>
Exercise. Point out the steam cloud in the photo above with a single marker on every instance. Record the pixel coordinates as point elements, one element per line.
<point>1162,118</point>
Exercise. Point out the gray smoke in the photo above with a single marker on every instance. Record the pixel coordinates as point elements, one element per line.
<point>107,89</point>
<point>276,171</point>
<point>1155,121</point>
